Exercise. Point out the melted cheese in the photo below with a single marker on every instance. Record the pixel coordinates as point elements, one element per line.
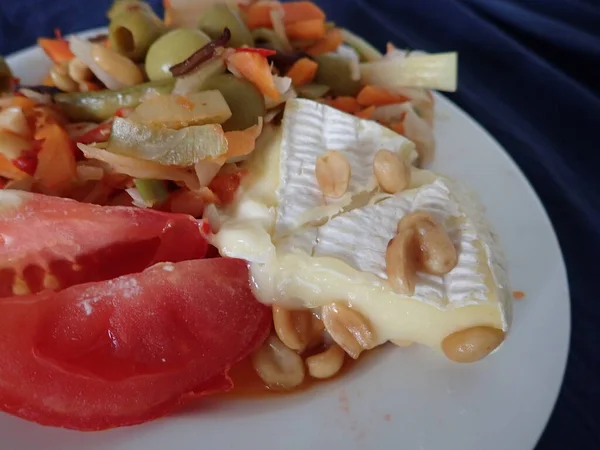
<point>338,254</point>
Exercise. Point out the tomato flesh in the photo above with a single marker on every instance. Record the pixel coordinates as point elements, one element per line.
<point>52,243</point>
<point>128,350</point>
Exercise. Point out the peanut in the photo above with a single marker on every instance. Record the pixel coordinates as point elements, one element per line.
<point>277,365</point>
<point>333,173</point>
<point>437,255</point>
<point>401,262</point>
<point>392,172</point>
<point>59,73</point>
<point>472,344</point>
<point>118,66</point>
<point>326,364</point>
<point>78,71</point>
<point>294,328</point>
<point>348,328</point>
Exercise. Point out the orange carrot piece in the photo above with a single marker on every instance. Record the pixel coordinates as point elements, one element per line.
<point>347,104</point>
<point>25,103</point>
<point>365,113</point>
<point>56,160</point>
<point>306,29</point>
<point>255,68</point>
<point>378,96</point>
<point>241,143</point>
<point>57,49</point>
<point>9,170</point>
<point>398,127</point>
<point>258,15</point>
<point>302,71</point>
<point>48,81</point>
<point>329,43</point>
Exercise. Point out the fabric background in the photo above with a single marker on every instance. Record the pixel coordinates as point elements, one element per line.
<point>530,74</point>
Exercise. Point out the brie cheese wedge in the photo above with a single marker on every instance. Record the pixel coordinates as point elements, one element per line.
<point>307,251</point>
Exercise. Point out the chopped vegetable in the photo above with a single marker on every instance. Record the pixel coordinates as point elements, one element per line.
<point>195,80</point>
<point>312,91</point>
<point>9,170</point>
<point>139,168</point>
<point>347,104</point>
<point>187,202</point>
<point>366,113</point>
<point>225,185</point>
<point>303,71</point>
<point>102,105</point>
<point>177,111</point>
<point>391,113</point>
<point>329,43</point>
<point>58,50</point>
<point>6,77</point>
<point>246,102</point>
<point>183,147</point>
<point>241,143</point>
<point>436,71</point>
<point>13,119</point>
<point>306,29</point>
<point>101,133</point>
<point>56,159</point>
<point>220,16</point>
<point>418,131</point>
<point>152,191</point>
<point>353,59</point>
<point>258,14</point>
<point>269,39</point>
<point>334,71</point>
<point>378,96</point>
<point>279,27</point>
<point>208,169</point>
<point>255,68</point>
<point>261,51</point>
<point>366,51</point>
<point>12,145</point>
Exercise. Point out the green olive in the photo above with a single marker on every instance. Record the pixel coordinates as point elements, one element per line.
<point>120,6</point>
<point>220,16</point>
<point>172,48</point>
<point>131,33</point>
<point>268,38</point>
<point>245,101</point>
<point>334,71</point>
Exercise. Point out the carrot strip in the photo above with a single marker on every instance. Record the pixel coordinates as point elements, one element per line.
<point>57,49</point>
<point>306,29</point>
<point>241,143</point>
<point>56,160</point>
<point>378,96</point>
<point>258,15</point>
<point>365,113</point>
<point>256,69</point>
<point>345,104</point>
<point>302,71</point>
<point>329,43</point>
<point>398,127</point>
<point>48,81</point>
<point>9,170</point>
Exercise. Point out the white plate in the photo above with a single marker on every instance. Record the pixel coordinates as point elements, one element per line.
<point>398,398</point>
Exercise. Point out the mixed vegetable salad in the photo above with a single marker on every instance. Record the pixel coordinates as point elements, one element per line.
<point>114,307</point>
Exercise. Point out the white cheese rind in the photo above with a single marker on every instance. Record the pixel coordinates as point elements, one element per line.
<point>309,130</point>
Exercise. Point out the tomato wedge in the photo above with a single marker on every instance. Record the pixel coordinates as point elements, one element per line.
<point>52,243</point>
<point>128,350</point>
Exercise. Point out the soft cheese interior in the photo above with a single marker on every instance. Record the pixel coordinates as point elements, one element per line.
<point>307,251</point>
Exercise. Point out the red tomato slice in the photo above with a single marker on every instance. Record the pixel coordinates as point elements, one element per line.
<point>128,350</point>
<point>50,242</point>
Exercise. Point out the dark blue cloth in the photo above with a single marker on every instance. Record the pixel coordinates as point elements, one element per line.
<point>530,74</point>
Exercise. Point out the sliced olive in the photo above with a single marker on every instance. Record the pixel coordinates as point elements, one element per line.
<point>120,6</point>
<point>131,33</point>
<point>245,101</point>
<point>267,38</point>
<point>220,16</point>
<point>172,48</point>
<point>334,71</point>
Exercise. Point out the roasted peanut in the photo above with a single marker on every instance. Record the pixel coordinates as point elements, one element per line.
<point>326,364</point>
<point>348,328</point>
<point>392,172</point>
<point>277,365</point>
<point>472,344</point>
<point>118,66</point>
<point>294,328</point>
<point>437,254</point>
<point>78,71</point>
<point>59,73</point>
<point>401,261</point>
<point>333,173</point>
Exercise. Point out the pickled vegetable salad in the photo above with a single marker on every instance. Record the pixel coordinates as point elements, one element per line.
<point>163,109</point>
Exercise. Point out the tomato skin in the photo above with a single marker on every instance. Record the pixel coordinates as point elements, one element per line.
<point>225,185</point>
<point>129,350</point>
<point>52,243</point>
